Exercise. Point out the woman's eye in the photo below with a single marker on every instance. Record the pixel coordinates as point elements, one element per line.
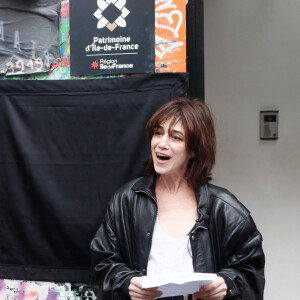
<point>177,138</point>
<point>157,132</point>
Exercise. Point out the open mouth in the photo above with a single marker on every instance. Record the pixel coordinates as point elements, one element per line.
<point>162,156</point>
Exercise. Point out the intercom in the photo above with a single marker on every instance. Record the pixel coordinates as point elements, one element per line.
<point>269,125</point>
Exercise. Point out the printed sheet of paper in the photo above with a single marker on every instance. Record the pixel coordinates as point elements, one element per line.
<point>178,283</point>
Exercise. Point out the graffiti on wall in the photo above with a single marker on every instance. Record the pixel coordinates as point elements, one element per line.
<point>170,36</point>
<point>23,49</point>
<point>33,290</point>
<point>170,41</point>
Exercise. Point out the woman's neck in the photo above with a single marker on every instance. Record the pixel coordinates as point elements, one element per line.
<point>171,183</point>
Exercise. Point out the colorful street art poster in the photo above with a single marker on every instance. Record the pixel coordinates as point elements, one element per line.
<point>29,36</point>
<point>112,37</point>
<point>39,290</point>
<point>170,35</point>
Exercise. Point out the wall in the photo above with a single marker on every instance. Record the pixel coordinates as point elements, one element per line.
<point>252,62</point>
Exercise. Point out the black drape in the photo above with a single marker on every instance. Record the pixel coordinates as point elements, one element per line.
<point>65,147</point>
<point>195,47</point>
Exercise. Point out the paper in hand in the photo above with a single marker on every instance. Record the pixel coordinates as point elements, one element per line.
<point>178,283</point>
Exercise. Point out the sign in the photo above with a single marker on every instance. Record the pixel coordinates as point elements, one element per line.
<point>29,36</point>
<point>112,37</point>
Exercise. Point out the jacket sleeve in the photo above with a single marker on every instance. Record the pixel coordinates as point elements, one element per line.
<point>243,270</point>
<point>110,276</point>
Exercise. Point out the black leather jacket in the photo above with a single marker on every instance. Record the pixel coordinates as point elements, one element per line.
<point>224,240</point>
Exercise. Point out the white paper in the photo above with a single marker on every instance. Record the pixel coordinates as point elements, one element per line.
<point>178,283</point>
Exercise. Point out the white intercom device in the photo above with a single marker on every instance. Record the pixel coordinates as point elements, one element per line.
<point>269,125</point>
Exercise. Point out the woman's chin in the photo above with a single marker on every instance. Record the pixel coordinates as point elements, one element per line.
<point>160,170</point>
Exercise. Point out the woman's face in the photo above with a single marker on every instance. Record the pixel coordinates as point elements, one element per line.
<point>168,150</point>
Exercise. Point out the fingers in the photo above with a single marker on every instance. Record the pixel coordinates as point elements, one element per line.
<point>216,290</point>
<point>144,294</point>
<point>136,296</point>
<point>136,292</point>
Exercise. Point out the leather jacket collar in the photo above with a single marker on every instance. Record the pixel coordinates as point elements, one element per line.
<point>146,185</point>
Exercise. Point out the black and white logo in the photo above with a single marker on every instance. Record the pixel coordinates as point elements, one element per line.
<point>111,14</point>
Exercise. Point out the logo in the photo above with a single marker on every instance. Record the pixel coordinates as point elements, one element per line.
<point>111,13</point>
<point>94,65</point>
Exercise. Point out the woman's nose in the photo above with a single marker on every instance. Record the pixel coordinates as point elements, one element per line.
<point>163,142</point>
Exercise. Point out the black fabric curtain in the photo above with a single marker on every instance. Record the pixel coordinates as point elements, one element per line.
<point>65,147</point>
<point>195,47</point>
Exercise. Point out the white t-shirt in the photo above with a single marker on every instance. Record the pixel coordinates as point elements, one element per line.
<point>169,254</point>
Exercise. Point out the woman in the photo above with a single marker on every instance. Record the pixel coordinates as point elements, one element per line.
<point>175,221</point>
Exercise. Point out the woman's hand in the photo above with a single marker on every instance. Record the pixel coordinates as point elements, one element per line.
<point>216,290</point>
<point>136,292</point>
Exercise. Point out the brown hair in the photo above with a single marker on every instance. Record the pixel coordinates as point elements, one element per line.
<point>200,139</point>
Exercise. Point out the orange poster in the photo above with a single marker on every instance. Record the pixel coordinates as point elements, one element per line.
<point>170,35</point>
